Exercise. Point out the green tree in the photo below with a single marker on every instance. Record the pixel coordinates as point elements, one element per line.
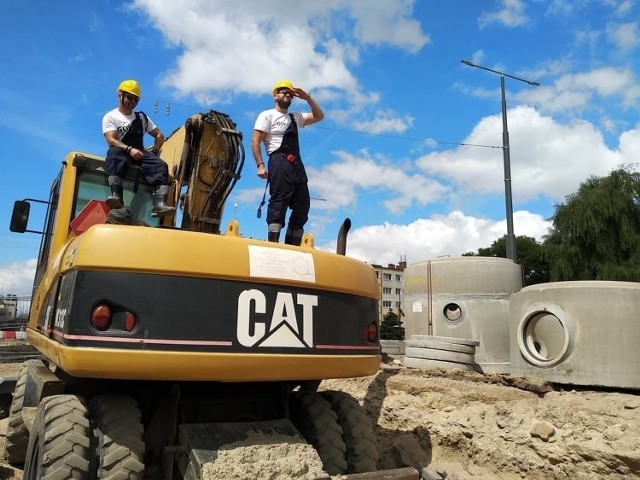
<point>596,232</point>
<point>391,327</point>
<point>535,268</point>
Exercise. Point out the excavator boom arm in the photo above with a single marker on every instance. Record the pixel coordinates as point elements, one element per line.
<point>205,158</point>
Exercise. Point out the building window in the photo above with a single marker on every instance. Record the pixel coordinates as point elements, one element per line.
<point>387,290</point>
<point>398,291</point>
<point>398,278</point>
<point>386,276</point>
<point>386,304</point>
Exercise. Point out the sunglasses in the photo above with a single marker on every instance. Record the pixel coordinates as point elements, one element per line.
<point>285,91</point>
<point>131,98</point>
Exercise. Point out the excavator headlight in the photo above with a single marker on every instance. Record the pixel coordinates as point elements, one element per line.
<point>101,317</point>
<point>372,332</point>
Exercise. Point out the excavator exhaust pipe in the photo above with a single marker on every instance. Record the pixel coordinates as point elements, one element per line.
<point>341,247</point>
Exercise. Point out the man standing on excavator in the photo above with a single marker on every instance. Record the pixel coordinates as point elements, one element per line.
<point>124,132</point>
<point>278,130</point>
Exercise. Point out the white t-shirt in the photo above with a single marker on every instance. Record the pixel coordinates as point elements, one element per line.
<point>118,121</point>
<point>274,124</point>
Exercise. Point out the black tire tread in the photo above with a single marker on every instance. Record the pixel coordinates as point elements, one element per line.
<point>362,451</point>
<point>317,422</point>
<point>119,433</point>
<point>62,430</point>
<point>17,436</point>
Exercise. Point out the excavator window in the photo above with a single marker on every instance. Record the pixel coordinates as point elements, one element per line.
<point>137,195</point>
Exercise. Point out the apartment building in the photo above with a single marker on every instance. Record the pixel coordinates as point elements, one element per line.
<point>390,282</point>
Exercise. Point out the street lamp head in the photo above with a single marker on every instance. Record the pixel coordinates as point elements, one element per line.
<point>535,84</point>
<point>467,62</point>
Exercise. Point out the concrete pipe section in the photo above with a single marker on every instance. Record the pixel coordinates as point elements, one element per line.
<point>579,333</point>
<point>467,298</point>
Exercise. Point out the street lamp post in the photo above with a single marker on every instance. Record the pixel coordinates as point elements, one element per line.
<point>511,239</point>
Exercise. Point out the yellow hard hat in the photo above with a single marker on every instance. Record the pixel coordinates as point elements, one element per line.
<point>282,84</point>
<point>130,86</point>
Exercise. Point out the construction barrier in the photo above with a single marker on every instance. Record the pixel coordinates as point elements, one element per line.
<point>12,335</point>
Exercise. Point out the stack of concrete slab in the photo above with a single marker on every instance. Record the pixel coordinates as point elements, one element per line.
<point>428,351</point>
<point>392,347</point>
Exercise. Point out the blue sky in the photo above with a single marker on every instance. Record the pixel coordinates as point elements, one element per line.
<point>410,148</point>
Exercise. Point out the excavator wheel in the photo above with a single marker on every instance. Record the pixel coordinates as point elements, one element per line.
<point>17,440</point>
<point>59,444</point>
<point>115,420</point>
<point>362,452</point>
<point>317,422</point>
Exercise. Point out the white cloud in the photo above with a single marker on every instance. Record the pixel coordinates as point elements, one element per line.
<point>341,181</point>
<point>624,35</point>
<point>316,44</point>
<point>546,157</point>
<point>511,14</point>
<point>388,22</point>
<point>630,146</point>
<point>624,6</point>
<point>17,278</point>
<point>384,121</point>
<point>578,92</point>
<point>440,235</point>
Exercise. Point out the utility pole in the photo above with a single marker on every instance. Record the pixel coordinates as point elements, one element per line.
<point>506,155</point>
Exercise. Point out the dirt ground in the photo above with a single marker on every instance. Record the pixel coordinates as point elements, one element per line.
<point>468,426</point>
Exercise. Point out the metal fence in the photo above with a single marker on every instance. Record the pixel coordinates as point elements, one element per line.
<point>13,342</point>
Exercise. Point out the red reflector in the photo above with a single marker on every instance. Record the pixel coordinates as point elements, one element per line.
<point>101,317</point>
<point>130,322</point>
<point>372,332</point>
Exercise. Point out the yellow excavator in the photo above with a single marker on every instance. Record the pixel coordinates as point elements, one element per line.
<point>165,338</point>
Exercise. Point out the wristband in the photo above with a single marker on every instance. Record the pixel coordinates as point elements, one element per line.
<point>129,150</point>
<point>258,165</point>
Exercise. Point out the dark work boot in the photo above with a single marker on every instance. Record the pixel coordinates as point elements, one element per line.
<point>119,216</point>
<point>292,240</point>
<point>114,201</point>
<point>160,208</point>
<point>293,236</point>
<point>274,237</point>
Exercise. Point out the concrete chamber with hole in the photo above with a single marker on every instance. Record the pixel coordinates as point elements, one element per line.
<point>464,298</point>
<point>579,333</point>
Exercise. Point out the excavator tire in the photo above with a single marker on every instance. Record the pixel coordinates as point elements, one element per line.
<point>59,444</point>
<point>362,452</point>
<point>118,430</point>
<point>317,422</point>
<point>17,440</point>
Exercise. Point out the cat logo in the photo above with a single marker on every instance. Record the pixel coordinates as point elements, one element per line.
<point>283,329</point>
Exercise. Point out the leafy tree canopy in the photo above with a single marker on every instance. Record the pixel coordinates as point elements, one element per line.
<point>596,232</point>
<point>535,268</point>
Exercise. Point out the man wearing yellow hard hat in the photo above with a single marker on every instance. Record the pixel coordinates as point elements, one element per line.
<point>277,129</point>
<point>124,131</point>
